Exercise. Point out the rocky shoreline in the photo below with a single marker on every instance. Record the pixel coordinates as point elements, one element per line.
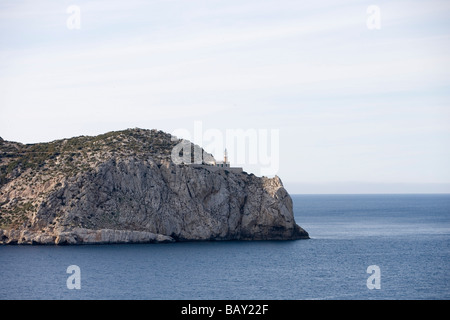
<point>123,187</point>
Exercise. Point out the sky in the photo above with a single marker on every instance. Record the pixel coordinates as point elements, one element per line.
<point>355,100</point>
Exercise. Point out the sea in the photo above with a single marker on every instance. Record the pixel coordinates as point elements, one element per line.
<point>394,247</point>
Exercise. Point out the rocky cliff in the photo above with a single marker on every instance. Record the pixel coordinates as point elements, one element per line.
<point>123,187</point>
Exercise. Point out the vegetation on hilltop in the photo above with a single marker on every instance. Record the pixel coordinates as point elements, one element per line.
<point>80,152</point>
<point>42,167</point>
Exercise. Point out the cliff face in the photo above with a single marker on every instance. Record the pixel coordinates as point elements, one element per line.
<point>123,187</point>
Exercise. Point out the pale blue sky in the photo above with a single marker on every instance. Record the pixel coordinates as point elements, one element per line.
<point>358,110</point>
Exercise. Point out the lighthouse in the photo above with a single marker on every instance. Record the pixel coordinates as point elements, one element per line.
<point>225,156</point>
<point>225,163</point>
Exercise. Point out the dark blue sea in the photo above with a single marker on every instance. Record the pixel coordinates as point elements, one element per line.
<point>407,237</point>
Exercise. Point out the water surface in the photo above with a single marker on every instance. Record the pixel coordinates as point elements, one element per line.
<point>407,236</point>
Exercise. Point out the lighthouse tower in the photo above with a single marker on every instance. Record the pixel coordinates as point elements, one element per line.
<point>225,163</point>
<point>225,156</point>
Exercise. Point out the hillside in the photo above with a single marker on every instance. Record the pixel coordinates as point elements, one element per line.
<point>122,186</point>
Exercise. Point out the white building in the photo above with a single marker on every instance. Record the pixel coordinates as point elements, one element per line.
<point>225,163</point>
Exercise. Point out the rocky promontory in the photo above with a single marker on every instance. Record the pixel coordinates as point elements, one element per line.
<point>123,187</point>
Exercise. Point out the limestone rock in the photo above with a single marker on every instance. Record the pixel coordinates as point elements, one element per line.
<point>123,187</point>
